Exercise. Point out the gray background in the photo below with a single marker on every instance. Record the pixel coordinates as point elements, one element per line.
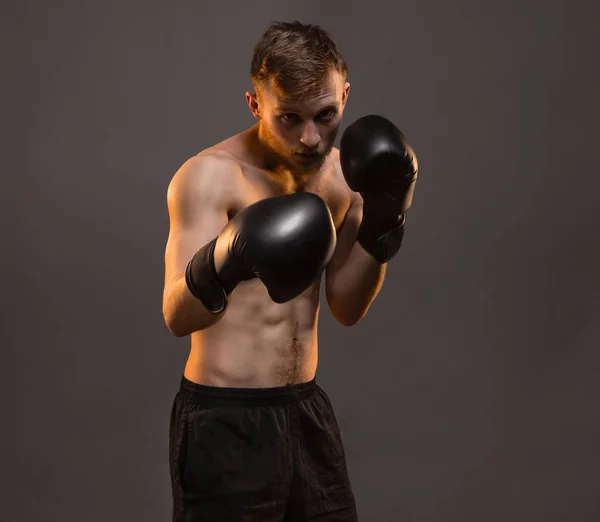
<point>468,393</point>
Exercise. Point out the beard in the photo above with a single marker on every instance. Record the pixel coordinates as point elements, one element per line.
<point>283,156</point>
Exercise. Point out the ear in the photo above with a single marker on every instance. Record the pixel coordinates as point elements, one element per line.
<point>252,101</point>
<point>346,94</point>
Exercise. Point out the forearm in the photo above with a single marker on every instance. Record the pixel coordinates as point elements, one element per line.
<point>355,286</point>
<point>184,313</point>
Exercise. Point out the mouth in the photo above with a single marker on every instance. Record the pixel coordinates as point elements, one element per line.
<point>307,156</point>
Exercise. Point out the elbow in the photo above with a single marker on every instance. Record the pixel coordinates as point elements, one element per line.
<point>348,322</point>
<point>348,319</point>
<point>175,332</point>
<point>345,316</point>
<point>173,325</point>
<point>182,323</point>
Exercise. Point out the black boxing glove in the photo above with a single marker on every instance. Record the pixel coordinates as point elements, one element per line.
<point>286,241</point>
<point>378,162</point>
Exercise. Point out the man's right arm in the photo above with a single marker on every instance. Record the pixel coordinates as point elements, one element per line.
<point>198,199</point>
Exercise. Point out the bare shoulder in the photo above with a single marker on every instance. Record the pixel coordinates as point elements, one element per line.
<point>209,174</point>
<point>210,166</point>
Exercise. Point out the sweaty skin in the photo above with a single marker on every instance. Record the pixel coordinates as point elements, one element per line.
<point>258,343</point>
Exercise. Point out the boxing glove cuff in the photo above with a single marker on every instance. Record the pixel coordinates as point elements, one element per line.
<point>381,243</point>
<point>202,281</point>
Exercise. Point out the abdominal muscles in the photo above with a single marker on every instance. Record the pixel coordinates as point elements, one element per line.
<point>258,343</point>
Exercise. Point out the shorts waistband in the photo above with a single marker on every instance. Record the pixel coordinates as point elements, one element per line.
<point>218,395</point>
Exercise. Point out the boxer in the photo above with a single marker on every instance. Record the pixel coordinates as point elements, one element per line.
<point>256,220</point>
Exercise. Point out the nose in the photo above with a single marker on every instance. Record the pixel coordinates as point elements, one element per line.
<point>310,135</point>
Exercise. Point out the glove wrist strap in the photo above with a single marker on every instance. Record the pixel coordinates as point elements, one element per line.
<point>202,281</point>
<point>382,242</point>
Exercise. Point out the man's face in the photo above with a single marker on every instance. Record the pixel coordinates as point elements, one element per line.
<point>300,133</point>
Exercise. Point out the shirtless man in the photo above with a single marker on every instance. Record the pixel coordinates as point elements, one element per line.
<point>254,222</point>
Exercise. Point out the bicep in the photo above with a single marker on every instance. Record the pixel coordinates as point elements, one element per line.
<point>197,201</point>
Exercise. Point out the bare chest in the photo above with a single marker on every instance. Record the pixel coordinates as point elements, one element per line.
<point>257,185</point>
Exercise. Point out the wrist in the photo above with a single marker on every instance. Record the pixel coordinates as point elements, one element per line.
<point>381,236</point>
<point>202,280</point>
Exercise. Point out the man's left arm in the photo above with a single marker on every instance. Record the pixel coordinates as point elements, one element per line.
<point>353,277</point>
<point>378,163</point>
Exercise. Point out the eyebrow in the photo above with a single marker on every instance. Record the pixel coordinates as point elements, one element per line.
<point>286,108</point>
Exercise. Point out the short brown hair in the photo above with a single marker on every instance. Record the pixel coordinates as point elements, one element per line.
<point>297,57</point>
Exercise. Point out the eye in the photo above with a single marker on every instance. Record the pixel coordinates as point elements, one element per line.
<point>327,114</point>
<point>290,117</point>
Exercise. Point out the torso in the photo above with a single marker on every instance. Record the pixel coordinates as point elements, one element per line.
<point>257,342</point>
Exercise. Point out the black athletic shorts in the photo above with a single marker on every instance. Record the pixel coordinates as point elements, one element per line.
<point>257,454</point>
